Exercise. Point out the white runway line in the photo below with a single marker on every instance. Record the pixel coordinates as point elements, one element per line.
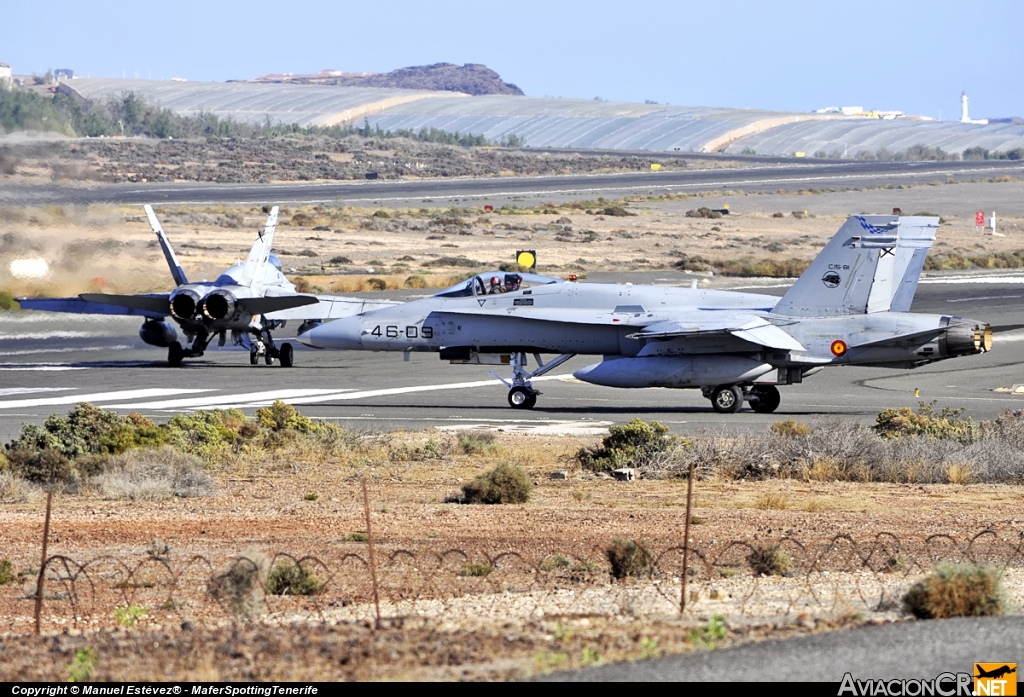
<point>39,336</point>
<point>37,368</point>
<point>43,367</point>
<point>8,391</point>
<point>95,397</point>
<point>961,280</point>
<point>30,352</point>
<point>225,401</point>
<point>407,390</point>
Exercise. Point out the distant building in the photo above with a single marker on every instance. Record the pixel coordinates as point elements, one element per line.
<point>6,77</point>
<point>964,118</point>
<point>64,74</point>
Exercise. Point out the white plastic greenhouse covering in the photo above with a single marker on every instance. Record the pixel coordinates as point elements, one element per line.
<point>558,122</point>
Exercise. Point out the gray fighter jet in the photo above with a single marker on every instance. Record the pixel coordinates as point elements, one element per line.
<point>850,307</point>
<point>250,299</point>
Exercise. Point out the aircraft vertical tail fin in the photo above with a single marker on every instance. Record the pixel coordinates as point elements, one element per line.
<point>871,265</point>
<point>260,252</point>
<point>172,261</point>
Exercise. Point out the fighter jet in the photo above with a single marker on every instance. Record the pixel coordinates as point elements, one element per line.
<point>249,299</point>
<point>850,307</point>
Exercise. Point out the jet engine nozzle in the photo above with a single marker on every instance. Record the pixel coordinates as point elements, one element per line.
<point>184,304</point>
<point>967,336</point>
<point>218,305</point>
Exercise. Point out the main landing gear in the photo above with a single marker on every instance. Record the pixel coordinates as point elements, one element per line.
<point>521,394</point>
<point>264,346</point>
<point>728,399</point>
<point>176,352</point>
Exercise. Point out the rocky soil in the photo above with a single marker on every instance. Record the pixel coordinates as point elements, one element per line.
<point>548,601</point>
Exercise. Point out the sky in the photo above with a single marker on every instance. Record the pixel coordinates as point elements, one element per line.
<point>915,56</point>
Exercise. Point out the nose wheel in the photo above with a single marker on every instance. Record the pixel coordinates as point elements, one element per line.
<point>727,399</point>
<point>522,398</point>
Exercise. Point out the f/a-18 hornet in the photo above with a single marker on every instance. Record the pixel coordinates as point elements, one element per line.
<point>250,299</point>
<point>850,307</point>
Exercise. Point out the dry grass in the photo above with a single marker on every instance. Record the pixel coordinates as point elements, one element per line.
<point>772,501</point>
<point>957,473</point>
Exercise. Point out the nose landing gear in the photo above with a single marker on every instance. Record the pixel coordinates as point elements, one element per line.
<point>521,394</point>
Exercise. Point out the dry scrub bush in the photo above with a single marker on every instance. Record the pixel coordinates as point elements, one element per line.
<point>629,558</point>
<point>239,589</point>
<point>770,560</point>
<point>504,484</point>
<point>837,450</point>
<point>958,590</point>
<point>14,489</point>
<point>288,578</point>
<point>477,442</point>
<point>790,428</point>
<point>6,572</point>
<point>154,475</point>
<point>635,444</point>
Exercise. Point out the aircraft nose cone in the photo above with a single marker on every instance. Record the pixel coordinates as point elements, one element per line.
<point>340,334</point>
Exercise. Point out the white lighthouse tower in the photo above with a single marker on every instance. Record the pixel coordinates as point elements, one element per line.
<point>964,118</point>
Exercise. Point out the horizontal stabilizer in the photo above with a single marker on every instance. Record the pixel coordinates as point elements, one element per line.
<point>902,338</point>
<point>259,306</point>
<point>83,307</point>
<point>157,304</point>
<point>331,307</point>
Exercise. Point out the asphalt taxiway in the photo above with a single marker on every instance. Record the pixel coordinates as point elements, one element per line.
<point>50,361</point>
<point>767,177</point>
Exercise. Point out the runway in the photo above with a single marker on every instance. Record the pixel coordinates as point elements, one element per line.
<point>770,177</point>
<point>49,361</point>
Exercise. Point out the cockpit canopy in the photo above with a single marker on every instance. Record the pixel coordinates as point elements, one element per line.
<point>494,282</point>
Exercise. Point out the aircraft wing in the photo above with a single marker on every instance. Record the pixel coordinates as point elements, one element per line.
<point>83,306</point>
<point>752,329</point>
<point>331,307</point>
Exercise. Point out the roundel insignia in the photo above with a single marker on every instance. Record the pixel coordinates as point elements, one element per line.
<point>831,279</point>
<point>838,347</point>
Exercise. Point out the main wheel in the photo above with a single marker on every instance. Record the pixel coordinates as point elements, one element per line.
<point>522,398</point>
<point>286,354</point>
<point>727,399</point>
<point>175,354</point>
<point>254,357</point>
<point>765,399</point>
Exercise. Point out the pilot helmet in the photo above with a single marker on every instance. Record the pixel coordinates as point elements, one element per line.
<point>495,281</point>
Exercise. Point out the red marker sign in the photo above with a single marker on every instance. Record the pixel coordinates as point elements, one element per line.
<point>979,218</point>
<point>838,347</point>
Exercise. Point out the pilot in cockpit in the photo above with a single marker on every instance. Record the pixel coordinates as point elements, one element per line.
<point>512,282</point>
<point>495,286</point>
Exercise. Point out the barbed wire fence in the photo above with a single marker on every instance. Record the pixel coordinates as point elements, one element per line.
<point>839,576</point>
<point>756,580</point>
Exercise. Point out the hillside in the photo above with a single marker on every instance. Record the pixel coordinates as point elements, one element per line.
<point>471,78</point>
